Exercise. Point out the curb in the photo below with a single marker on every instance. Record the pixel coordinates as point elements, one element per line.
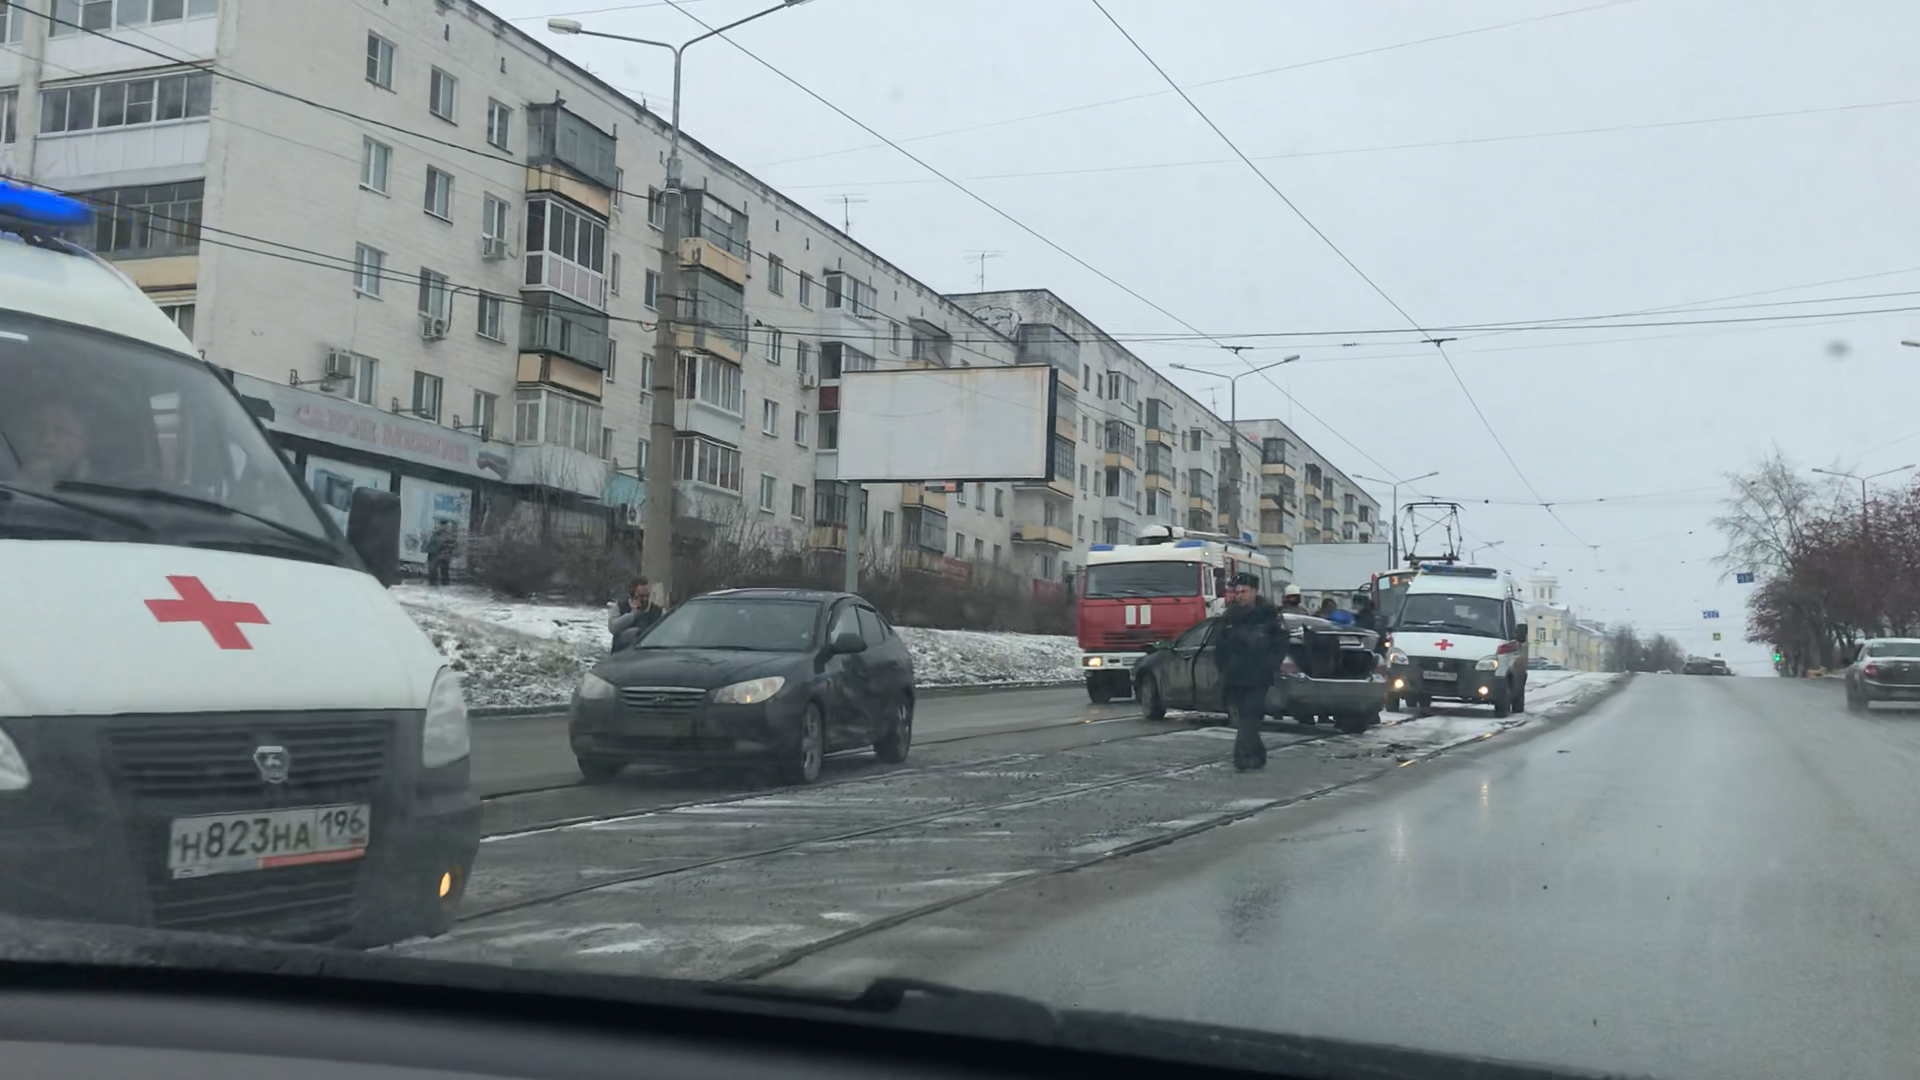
<point>514,712</point>
<point>1588,703</point>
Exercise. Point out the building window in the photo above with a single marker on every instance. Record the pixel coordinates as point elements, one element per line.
<point>705,461</point>
<point>830,431</point>
<point>769,491</point>
<point>800,428</point>
<point>959,545</point>
<point>545,416</point>
<point>650,295</point>
<point>643,455</point>
<point>12,24</point>
<point>806,291</point>
<point>893,337</point>
<point>708,378</point>
<point>9,113</point>
<point>566,251</point>
<point>773,346</point>
<point>769,417</point>
<point>366,380</point>
<point>440,95</point>
<point>776,275</point>
<point>434,296</point>
<point>613,359</point>
<point>499,124</point>
<point>606,444</point>
<point>803,357</point>
<point>496,214</point>
<point>379,61</point>
<point>656,208</point>
<point>72,16</point>
<point>798,505</point>
<point>439,194</point>
<point>485,407</point>
<point>375,157</point>
<point>369,266</point>
<point>616,196</point>
<point>845,290</point>
<point>996,554</point>
<point>613,272</point>
<point>139,222</point>
<point>491,323</point>
<point>1080,527</point>
<point>886,526</point>
<point>999,504</point>
<point>646,375</point>
<point>426,396</point>
<point>135,12</point>
<point>182,316</point>
<point>126,103</point>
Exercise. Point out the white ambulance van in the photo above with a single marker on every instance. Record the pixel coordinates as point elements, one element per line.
<point>1457,636</point>
<point>212,715</point>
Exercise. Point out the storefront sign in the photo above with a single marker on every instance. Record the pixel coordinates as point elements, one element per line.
<point>314,415</point>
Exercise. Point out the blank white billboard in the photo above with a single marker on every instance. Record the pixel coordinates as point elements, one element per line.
<point>977,423</point>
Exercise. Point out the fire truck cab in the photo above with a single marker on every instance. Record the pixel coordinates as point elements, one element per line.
<point>1153,590</point>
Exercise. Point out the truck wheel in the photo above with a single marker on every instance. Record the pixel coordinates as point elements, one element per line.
<point>1099,690</point>
<point>1153,705</point>
<point>599,770</point>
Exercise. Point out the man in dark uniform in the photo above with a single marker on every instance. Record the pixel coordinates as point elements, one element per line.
<point>1253,642</point>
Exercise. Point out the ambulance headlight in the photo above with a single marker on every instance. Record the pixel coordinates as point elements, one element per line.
<point>444,737</point>
<point>13,767</point>
<point>1487,663</point>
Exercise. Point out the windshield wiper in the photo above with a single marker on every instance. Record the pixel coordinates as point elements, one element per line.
<point>307,540</point>
<point>125,520</point>
<point>1458,628</point>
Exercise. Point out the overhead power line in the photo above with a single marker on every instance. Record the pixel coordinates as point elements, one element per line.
<point>1437,343</point>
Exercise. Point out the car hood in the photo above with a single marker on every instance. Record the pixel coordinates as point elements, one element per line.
<point>703,669</point>
<point>1450,644</point>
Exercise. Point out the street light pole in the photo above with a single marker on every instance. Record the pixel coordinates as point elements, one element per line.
<point>1863,489</point>
<point>1393,533</point>
<point>656,546</point>
<point>1233,414</point>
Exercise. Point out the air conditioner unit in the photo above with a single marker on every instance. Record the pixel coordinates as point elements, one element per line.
<point>495,247</point>
<point>339,364</point>
<point>809,381</point>
<point>633,515</point>
<point>432,327</point>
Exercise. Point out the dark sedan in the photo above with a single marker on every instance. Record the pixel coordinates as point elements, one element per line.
<point>755,676</point>
<point>1330,670</point>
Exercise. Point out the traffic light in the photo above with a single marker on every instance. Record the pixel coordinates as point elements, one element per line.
<point>1777,657</point>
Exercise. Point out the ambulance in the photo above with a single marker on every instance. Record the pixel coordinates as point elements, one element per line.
<point>212,715</point>
<point>1458,636</point>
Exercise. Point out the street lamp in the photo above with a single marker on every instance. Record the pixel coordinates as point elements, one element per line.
<point>1476,551</point>
<point>1393,533</point>
<point>1233,413</point>
<point>1863,488</point>
<point>656,553</point>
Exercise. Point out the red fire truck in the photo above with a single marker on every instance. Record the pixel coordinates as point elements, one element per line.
<point>1153,590</point>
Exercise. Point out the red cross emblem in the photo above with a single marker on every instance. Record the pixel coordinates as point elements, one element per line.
<point>222,618</point>
<point>1443,644</point>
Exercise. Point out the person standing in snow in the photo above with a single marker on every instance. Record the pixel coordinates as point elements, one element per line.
<point>1252,643</point>
<point>439,548</point>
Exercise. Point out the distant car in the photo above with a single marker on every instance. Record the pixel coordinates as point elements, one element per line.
<point>756,676</point>
<point>1887,669</point>
<point>1697,665</point>
<point>1330,670</point>
<point>1718,667</point>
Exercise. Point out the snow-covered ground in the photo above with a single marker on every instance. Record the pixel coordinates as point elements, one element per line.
<point>524,653</point>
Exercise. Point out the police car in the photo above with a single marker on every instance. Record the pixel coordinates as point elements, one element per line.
<point>212,715</point>
<point>1457,637</point>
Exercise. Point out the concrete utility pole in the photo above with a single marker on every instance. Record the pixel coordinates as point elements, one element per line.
<point>656,552</point>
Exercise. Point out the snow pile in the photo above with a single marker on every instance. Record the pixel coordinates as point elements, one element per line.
<point>526,653</point>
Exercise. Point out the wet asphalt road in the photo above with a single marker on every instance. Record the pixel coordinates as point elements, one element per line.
<point>1704,877</point>
<point>523,753</point>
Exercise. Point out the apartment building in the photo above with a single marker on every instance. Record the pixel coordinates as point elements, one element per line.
<point>1555,635</point>
<point>427,246</point>
<point>1132,450</point>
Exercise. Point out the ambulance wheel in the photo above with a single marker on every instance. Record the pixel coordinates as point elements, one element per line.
<point>1502,701</point>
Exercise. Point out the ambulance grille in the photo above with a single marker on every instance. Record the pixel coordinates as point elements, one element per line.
<point>200,759</point>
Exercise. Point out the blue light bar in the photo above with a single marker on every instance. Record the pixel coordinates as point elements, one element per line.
<point>1190,543</point>
<point>42,207</point>
<point>1099,547</point>
<point>1459,571</point>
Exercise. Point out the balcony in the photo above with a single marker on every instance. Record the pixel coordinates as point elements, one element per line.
<point>918,495</point>
<point>827,537</point>
<point>710,324</point>
<point>705,253</point>
<point>1158,481</point>
<point>1028,532</point>
<point>1120,459</point>
<point>1272,540</point>
<point>1277,468</point>
<point>1200,502</point>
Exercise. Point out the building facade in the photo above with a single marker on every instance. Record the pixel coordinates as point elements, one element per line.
<point>428,247</point>
<point>1555,634</point>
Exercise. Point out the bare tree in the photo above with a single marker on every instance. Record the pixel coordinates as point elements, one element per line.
<point>1765,516</point>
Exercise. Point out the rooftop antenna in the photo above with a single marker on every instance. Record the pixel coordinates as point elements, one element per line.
<point>983,256</point>
<point>847,203</point>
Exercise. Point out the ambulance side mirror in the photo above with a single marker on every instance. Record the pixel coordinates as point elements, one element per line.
<point>373,530</point>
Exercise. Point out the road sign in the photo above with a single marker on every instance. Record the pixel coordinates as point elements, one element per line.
<point>1743,578</point>
<point>1716,635</point>
<point>1710,613</point>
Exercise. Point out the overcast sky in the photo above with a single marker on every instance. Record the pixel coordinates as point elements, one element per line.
<point>1659,210</point>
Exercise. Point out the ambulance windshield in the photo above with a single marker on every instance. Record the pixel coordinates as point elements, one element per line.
<point>102,437</point>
